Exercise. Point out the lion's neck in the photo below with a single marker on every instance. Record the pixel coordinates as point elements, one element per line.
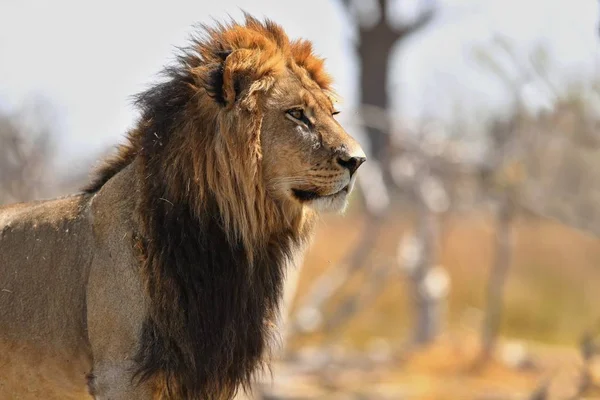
<point>210,303</point>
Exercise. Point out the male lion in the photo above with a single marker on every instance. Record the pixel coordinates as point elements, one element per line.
<point>162,278</point>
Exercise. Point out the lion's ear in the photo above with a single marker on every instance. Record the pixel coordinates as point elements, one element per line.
<point>229,79</point>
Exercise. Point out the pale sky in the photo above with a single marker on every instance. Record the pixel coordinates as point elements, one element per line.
<point>88,59</point>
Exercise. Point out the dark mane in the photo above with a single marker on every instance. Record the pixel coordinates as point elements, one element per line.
<point>209,324</point>
<point>162,104</point>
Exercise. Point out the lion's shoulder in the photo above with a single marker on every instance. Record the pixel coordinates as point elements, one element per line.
<point>43,212</point>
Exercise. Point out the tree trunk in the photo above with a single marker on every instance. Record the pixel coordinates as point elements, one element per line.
<point>502,260</point>
<point>427,306</point>
<point>375,44</point>
<point>374,52</point>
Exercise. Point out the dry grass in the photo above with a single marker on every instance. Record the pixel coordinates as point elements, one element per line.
<point>551,287</point>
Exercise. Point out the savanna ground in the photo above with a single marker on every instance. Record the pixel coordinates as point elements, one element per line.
<point>550,293</point>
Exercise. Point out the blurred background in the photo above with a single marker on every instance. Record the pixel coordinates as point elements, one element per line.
<point>468,264</point>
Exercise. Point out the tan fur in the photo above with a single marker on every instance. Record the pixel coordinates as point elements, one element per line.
<point>79,271</point>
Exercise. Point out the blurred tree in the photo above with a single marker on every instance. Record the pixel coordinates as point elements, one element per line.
<point>26,152</point>
<point>422,171</point>
<point>542,160</point>
<point>500,175</point>
<point>377,35</point>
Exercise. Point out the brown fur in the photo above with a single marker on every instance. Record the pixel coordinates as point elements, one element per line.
<point>178,250</point>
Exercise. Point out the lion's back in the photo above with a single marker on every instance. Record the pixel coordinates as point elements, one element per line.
<point>44,259</point>
<point>42,264</point>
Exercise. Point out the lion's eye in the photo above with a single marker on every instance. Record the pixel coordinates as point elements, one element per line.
<point>336,112</point>
<point>296,113</point>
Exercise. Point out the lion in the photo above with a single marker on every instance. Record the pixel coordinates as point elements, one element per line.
<point>162,278</point>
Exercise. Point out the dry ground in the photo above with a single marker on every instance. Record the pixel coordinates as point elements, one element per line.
<point>550,294</point>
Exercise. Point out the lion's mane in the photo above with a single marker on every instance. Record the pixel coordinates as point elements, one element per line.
<point>213,245</point>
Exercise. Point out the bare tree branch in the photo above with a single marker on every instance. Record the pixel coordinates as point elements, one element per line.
<point>422,20</point>
<point>25,153</point>
<point>383,10</point>
<point>330,282</point>
<point>346,3</point>
<point>367,294</point>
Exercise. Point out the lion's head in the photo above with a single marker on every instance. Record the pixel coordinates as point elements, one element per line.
<point>308,158</point>
<point>247,117</point>
<point>279,139</point>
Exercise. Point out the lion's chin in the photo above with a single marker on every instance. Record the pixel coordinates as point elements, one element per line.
<point>335,203</point>
<point>332,203</point>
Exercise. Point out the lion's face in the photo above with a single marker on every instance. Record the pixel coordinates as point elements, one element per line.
<point>308,157</point>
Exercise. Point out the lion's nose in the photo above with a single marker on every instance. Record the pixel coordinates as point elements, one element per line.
<point>351,163</point>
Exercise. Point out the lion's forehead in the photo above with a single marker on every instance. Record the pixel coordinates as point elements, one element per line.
<point>317,99</point>
<point>294,93</point>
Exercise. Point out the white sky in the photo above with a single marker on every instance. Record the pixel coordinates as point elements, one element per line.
<point>88,58</point>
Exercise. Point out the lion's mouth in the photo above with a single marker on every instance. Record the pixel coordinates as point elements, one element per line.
<point>308,195</point>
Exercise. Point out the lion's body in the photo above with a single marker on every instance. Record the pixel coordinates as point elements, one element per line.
<point>42,293</point>
<point>43,340</point>
<point>163,278</point>
<point>75,284</point>
<point>67,270</point>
